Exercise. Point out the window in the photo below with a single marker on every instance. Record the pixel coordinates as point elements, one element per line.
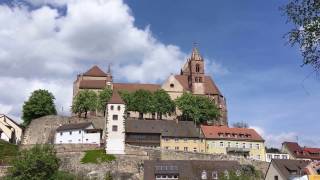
<point>128,114</point>
<point>250,145</point>
<point>87,140</point>
<point>114,128</point>
<point>284,157</point>
<point>229,144</point>
<point>237,145</point>
<point>258,157</point>
<point>204,175</point>
<point>194,149</point>
<point>243,145</point>
<point>221,144</point>
<point>200,79</point>
<point>258,146</point>
<point>70,132</point>
<point>176,148</point>
<point>172,85</point>
<point>276,178</point>
<point>277,156</point>
<point>185,148</point>
<point>111,107</point>
<point>269,156</point>
<point>197,67</point>
<point>80,132</point>
<point>196,79</point>
<point>166,139</point>
<point>115,117</point>
<point>166,147</point>
<point>119,108</point>
<point>61,133</point>
<point>214,175</point>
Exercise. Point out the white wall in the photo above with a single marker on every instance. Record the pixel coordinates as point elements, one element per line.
<point>115,140</point>
<point>272,172</point>
<point>78,136</point>
<point>270,156</point>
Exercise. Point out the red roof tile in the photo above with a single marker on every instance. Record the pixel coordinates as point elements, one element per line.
<point>131,87</point>
<point>95,71</point>
<point>302,152</point>
<point>224,132</point>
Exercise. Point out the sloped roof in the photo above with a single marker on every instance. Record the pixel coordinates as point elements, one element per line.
<point>302,152</point>
<point>115,98</point>
<point>224,132</point>
<point>209,85</point>
<point>167,128</point>
<point>187,169</point>
<point>92,84</point>
<point>8,118</point>
<point>95,71</point>
<point>67,127</point>
<point>131,87</point>
<point>286,166</point>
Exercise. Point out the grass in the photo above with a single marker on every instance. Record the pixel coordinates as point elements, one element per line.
<point>7,152</point>
<point>97,156</point>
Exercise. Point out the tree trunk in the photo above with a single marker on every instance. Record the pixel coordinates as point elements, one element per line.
<point>85,114</point>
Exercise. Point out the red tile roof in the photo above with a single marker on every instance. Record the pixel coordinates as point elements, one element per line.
<point>131,87</point>
<point>210,86</point>
<point>224,132</point>
<point>302,152</point>
<point>95,71</point>
<point>115,98</point>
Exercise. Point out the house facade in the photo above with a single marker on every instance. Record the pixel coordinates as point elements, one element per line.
<point>10,131</point>
<point>234,141</point>
<point>80,133</point>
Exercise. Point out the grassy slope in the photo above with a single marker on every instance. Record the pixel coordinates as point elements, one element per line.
<point>7,152</point>
<point>97,156</point>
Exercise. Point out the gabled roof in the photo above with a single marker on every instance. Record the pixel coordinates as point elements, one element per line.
<point>8,118</point>
<point>209,85</point>
<point>224,132</point>
<point>67,127</point>
<point>115,98</point>
<point>167,128</point>
<point>95,71</point>
<point>131,87</point>
<point>287,167</point>
<point>302,152</point>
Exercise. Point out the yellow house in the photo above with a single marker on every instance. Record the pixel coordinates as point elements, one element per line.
<point>234,141</point>
<point>190,144</point>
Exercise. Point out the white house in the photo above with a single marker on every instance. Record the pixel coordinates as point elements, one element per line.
<point>10,131</point>
<point>115,129</point>
<point>81,133</point>
<point>270,156</point>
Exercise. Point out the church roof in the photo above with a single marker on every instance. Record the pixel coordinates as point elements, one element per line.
<point>92,84</point>
<point>210,86</point>
<point>95,71</point>
<point>131,87</point>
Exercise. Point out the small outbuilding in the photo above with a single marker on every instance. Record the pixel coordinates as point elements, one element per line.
<point>80,133</point>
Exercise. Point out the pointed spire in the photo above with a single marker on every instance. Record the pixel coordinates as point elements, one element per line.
<point>195,52</point>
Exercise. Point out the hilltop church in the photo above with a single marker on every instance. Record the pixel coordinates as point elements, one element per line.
<point>192,78</point>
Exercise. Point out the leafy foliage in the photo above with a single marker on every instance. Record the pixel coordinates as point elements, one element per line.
<point>103,98</point>
<point>97,156</point>
<point>240,125</point>
<point>40,162</point>
<point>147,102</point>
<point>40,103</point>
<point>8,152</point>
<point>197,108</point>
<point>305,16</point>
<point>247,172</point>
<point>83,102</point>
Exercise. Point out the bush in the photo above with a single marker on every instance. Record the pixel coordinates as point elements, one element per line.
<point>97,156</point>
<point>40,162</point>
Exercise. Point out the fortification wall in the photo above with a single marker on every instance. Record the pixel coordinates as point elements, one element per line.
<point>42,130</point>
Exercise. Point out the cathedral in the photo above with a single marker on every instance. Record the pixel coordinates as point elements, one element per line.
<point>192,78</point>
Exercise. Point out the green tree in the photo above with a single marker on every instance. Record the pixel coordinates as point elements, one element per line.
<point>38,163</point>
<point>305,16</point>
<point>197,108</point>
<point>40,103</point>
<point>142,102</point>
<point>84,102</point>
<point>103,98</point>
<point>162,103</point>
<point>128,100</point>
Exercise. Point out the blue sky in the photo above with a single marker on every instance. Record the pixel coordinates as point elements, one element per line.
<point>265,85</point>
<point>47,45</point>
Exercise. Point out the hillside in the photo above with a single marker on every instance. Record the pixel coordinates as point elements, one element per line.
<point>8,152</point>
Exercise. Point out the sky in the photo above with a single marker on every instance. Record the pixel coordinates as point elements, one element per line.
<point>45,44</point>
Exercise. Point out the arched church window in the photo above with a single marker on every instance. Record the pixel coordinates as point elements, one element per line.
<point>197,67</point>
